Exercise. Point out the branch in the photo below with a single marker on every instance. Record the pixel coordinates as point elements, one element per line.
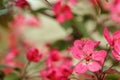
<point>48,3</point>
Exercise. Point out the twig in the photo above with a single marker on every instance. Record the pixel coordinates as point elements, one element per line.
<point>25,71</point>
<point>48,3</point>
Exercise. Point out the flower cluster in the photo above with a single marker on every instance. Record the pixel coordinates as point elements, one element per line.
<point>58,67</point>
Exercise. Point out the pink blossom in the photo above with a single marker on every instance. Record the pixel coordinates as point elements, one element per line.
<point>114,41</point>
<point>54,56</point>
<point>20,21</point>
<point>65,70</point>
<point>12,41</point>
<point>10,56</point>
<point>67,61</point>
<point>22,3</point>
<point>62,12</point>
<point>33,55</point>
<point>17,22</point>
<point>89,59</point>
<point>52,73</point>
<point>73,1</point>
<point>114,9</point>
<point>9,59</point>
<point>32,21</point>
<point>7,70</point>
<point>56,73</point>
<point>58,66</point>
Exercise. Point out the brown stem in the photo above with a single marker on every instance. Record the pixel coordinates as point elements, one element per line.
<point>98,7</point>
<point>48,3</point>
<point>25,71</point>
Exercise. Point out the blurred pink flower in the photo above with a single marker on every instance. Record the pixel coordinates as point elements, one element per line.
<point>114,9</point>
<point>73,1</point>
<point>10,56</point>
<point>12,38</point>
<point>33,55</point>
<point>62,12</point>
<point>58,66</point>
<point>9,59</point>
<point>53,57</point>
<point>20,21</point>
<point>52,73</point>
<point>22,3</point>
<point>89,59</point>
<point>114,41</point>
<point>32,21</point>
<point>56,73</point>
<point>7,70</point>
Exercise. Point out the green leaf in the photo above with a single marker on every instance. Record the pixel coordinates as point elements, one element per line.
<point>40,10</point>
<point>112,77</point>
<point>12,76</point>
<point>66,24</point>
<point>61,44</point>
<point>81,27</point>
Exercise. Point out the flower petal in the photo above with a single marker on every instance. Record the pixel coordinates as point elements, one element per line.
<point>61,18</point>
<point>94,66</point>
<point>116,55</point>
<point>80,68</point>
<point>89,46</point>
<point>99,56</point>
<point>107,36</point>
<point>77,53</point>
<point>117,46</point>
<point>116,35</point>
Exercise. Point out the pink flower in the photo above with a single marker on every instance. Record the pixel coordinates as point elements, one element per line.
<point>56,73</point>
<point>116,54</point>
<point>108,37</point>
<point>53,57</point>
<point>32,21</point>
<point>58,66</point>
<point>89,59</point>
<point>73,1</point>
<point>65,70</point>
<point>114,41</point>
<point>52,73</point>
<point>12,38</point>
<point>20,21</point>
<point>33,55</point>
<point>114,9</point>
<point>17,22</point>
<point>22,3</point>
<point>9,59</point>
<point>62,12</point>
